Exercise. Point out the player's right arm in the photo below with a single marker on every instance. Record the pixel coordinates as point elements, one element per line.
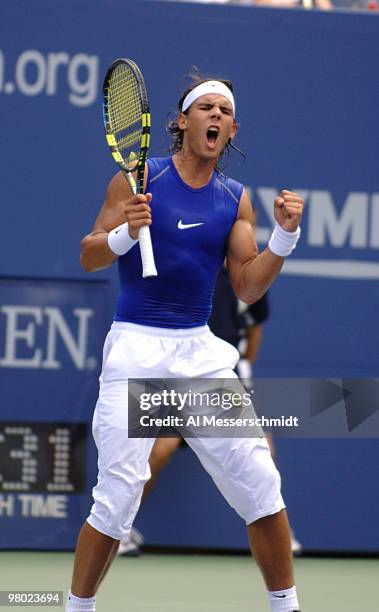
<point>120,206</point>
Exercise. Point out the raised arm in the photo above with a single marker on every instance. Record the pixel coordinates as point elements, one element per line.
<point>251,273</point>
<point>120,206</point>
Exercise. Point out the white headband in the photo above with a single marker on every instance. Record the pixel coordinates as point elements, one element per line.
<point>209,87</point>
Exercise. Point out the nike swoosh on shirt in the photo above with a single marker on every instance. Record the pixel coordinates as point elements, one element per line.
<point>181,225</point>
<point>281,596</point>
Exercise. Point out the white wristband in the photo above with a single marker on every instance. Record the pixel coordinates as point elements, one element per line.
<point>119,240</point>
<point>282,243</point>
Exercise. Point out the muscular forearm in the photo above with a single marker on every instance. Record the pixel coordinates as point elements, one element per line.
<point>257,275</point>
<point>96,254</point>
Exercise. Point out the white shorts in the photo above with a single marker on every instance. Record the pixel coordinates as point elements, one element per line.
<point>241,468</point>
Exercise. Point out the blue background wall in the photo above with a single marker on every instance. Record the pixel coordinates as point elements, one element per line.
<point>307,107</point>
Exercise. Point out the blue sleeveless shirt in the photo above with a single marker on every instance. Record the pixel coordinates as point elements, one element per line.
<point>189,233</point>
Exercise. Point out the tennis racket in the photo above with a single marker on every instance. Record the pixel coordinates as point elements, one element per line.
<point>127,126</point>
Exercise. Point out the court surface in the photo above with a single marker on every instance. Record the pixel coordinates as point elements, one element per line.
<point>195,583</point>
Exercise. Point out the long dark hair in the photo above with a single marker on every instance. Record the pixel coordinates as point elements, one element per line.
<point>172,127</point>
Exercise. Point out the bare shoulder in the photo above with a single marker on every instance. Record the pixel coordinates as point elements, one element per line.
<point>245,208</point>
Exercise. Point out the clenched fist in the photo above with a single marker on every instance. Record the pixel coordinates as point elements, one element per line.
<point>137,212</point>
<point>288,210</point>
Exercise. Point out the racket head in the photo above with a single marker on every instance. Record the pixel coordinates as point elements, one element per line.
<point>126,117</point>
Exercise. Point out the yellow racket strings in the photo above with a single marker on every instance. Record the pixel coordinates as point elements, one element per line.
<point>125,107</point>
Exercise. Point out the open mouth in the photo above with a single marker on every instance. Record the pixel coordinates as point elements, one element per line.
<point>212,135</point>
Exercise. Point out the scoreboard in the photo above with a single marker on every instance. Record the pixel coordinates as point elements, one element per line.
<point>42,457</point>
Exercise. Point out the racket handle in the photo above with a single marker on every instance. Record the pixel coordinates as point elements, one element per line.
<point>147,255</point>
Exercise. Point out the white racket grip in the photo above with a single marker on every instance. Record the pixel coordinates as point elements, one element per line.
<point>147,255</point>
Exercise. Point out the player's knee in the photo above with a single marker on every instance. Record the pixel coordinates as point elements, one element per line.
<point>267,489</point>
<point>252,482</point>
<point>116,501</point>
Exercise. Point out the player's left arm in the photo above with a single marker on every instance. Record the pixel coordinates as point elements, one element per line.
<point>251,273</point>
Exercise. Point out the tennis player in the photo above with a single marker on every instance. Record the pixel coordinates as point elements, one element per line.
<point>197,216</point>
